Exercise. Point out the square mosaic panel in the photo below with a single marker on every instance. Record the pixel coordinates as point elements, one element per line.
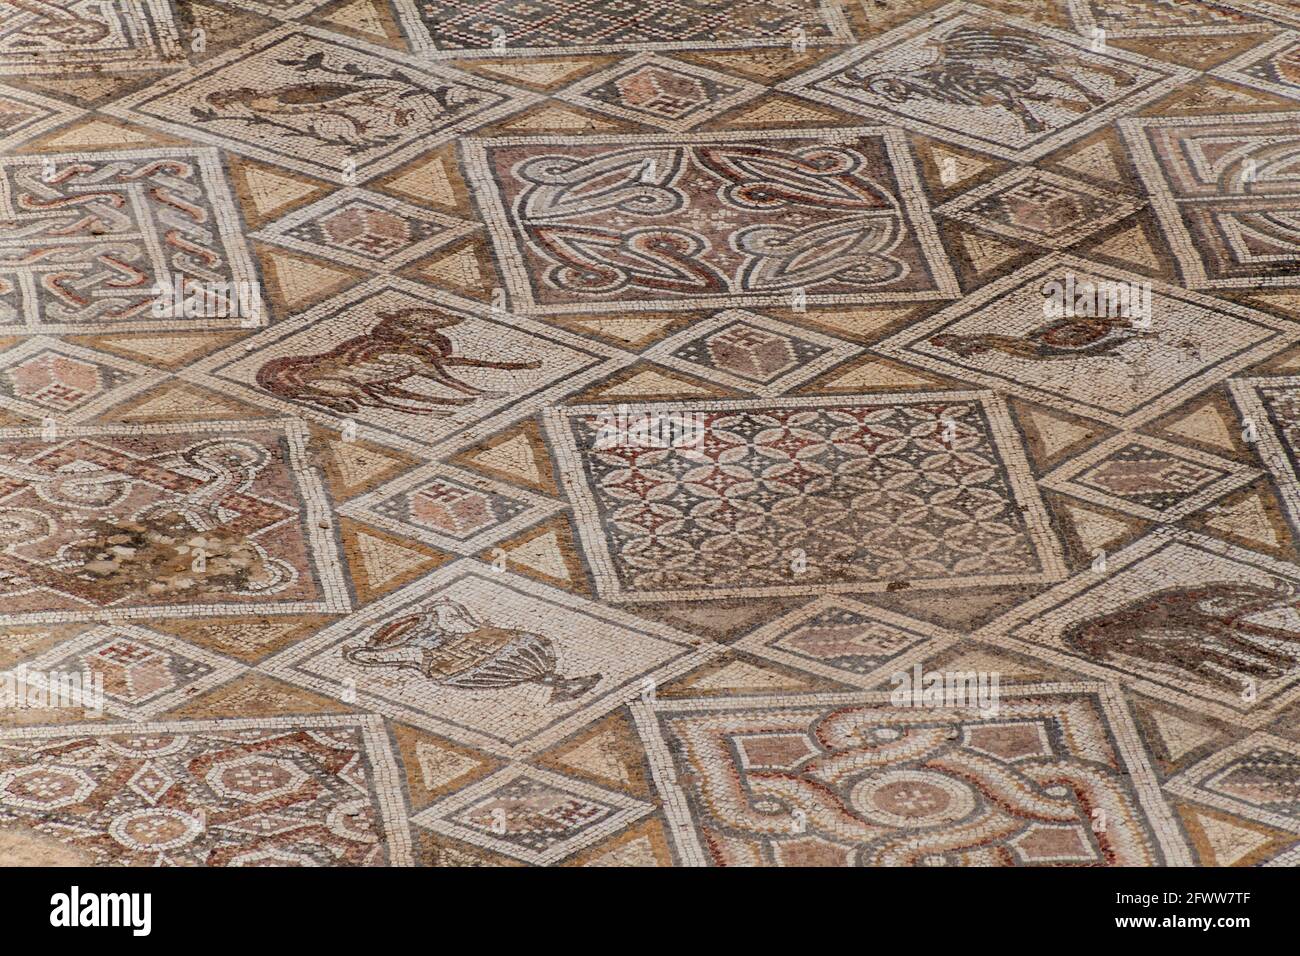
<point>1109,368</point>
<point>91,240</point>
<point>1148,477</point>
<point>806,496</point>
<point>320,103</point>
<point>780,782</point>
<point>1227,194</point>
<point>968,75</point>
<point>271,791</point>
<point>146,521</point>
<point>605,223</point>
<point>492,27</point>
<point>57,36</point>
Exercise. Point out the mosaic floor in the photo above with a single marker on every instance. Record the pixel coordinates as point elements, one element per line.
<point>603,433</point>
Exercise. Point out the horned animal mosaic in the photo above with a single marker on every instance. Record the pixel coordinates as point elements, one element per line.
<point>709,433</point>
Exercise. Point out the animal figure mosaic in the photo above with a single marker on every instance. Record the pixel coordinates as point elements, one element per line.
<point>1215,631</point>
<point>338,105</point>
<point>1064,338</point>
<point>990,66</point>
<point>368,369</point>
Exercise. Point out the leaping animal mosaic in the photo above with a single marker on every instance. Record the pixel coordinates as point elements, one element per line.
<point>369,369</point>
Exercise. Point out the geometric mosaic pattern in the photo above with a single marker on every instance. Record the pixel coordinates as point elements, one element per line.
<point>1225,190</point>
<point>451,509</point>
<point>93,240</point>
<point>1147,477</point>
<point>780,782</point>
<point>315,791</point>
<point>1032,205</point>
<point>659,91</point>
<point>750,352</point>
<point>26,114</point>
<point>1257,778</point>
<point>1270,406</point>
<point>852,642</point>
<point>579,24</point>
<point>46,377</point>
<point>143,672</point>
<point>56,36</point>
<point>367,230</point>
<point>741,514</point>
<point>1270,66</point>
<point>707,219</point>
<point>531,815</point>
<point>689,433</point>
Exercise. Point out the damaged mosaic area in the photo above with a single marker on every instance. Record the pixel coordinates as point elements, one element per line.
<point>711,433</point>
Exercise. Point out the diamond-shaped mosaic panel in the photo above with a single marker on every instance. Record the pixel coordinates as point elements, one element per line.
<point>1006,86</point>
<point>660,91</point>
<point>48,378</point>
<point>847,640</point>
<point>142,673</point>
<point>1148,477</point>
<point>533,815</point>
<point>320,103</point>
<point>1258,778</point>
<point>365,229</point>
<point>1033,205</point>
